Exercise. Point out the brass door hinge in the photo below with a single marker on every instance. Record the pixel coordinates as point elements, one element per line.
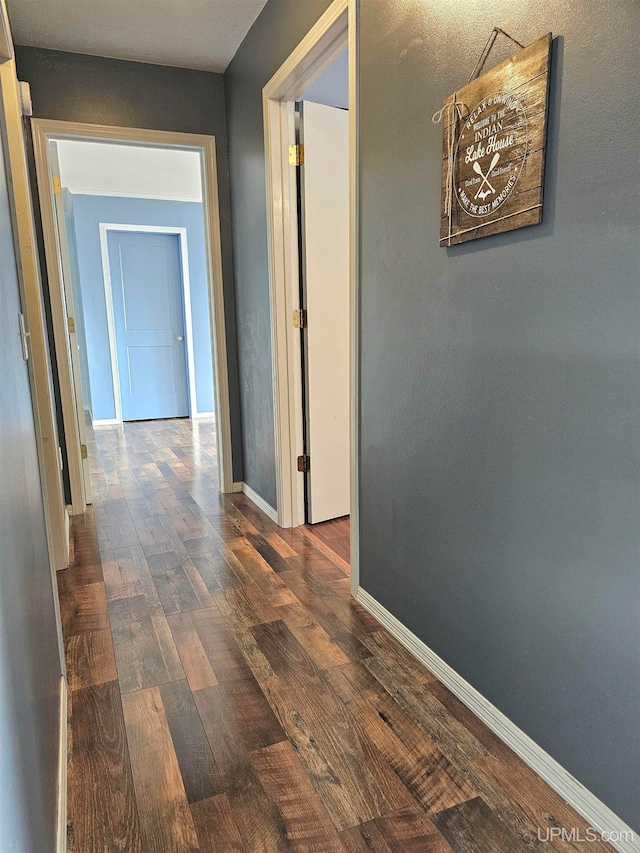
<point>24,337</point>
<point>296,155</point>
<point>300,318</point>
<point>71,325</point>
<point>304,464</point>
<point>57,186</point>
<point>83,451</point>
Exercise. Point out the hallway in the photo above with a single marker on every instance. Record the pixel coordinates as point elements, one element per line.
<point>227,694</point>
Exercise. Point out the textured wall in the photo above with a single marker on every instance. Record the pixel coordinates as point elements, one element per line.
<point>88,212</point>
<point>29,662</point>
<point>501,382</point>
<point>279,28</point>
<point>75,87</point>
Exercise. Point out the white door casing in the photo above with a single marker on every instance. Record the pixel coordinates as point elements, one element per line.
<point>46,129</point>
<point>326,40</point>
<point>72,319</point>
<point>39,362</point>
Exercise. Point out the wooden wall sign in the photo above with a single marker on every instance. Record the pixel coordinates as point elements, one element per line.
<point>494,146</point>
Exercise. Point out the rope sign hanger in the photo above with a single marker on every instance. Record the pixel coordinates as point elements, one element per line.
<point>486,50</point>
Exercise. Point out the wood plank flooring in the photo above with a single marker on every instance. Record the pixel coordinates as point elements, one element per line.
<point>332,537</point>
<point>227,694</point>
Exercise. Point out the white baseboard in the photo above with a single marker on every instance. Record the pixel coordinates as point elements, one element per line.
<point>593,810</point>
<point>203,415</point>
<point>61,832</point>
<point>237,487</point>
<point>107,422</point>
<point>266,508</point>
<point>66,556</point>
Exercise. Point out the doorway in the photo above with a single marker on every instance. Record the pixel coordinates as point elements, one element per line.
<point>327,41</point>
<point>149,366</point>
<point>323,223</point>
<point>149,319</point>
<point>147,294</point>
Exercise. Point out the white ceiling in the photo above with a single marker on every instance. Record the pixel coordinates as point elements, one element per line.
<point>106,168</point>
<point>202,34</point>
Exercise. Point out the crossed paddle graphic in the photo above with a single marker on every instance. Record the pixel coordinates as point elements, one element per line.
<point>485,178</point>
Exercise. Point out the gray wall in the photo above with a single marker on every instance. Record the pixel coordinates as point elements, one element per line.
<point>279,28</point>
<point>501,383</point>
<point>29,662</point>
<point>500,487</point>
<point>75,87</point>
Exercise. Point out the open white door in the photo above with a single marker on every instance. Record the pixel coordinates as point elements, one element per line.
<point>71,316</point>
<point>325,227</point>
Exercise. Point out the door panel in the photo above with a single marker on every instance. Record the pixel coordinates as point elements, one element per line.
<point>67,285</point>
<point>325,204</point>
<point>146,284</point>
<point>147,361</point>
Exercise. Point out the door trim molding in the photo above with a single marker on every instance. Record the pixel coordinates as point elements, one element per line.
<point>70,310</point>
<point>554,774</point>
<point>61,829</point>
<point>31,295</point>
<point>46,129</point>
<point>62,337</point>
<point>6,40</point>
<point>334,31</point>
<point>181,233</point>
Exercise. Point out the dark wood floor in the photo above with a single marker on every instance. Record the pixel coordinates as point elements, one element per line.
<point>227,694</point>
<point>332,538</point>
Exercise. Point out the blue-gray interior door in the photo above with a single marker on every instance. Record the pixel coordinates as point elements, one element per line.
<point>146,283</point>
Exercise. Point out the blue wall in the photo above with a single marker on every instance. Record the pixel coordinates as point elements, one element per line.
<point>332,87</point>
<point>88,212</point>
